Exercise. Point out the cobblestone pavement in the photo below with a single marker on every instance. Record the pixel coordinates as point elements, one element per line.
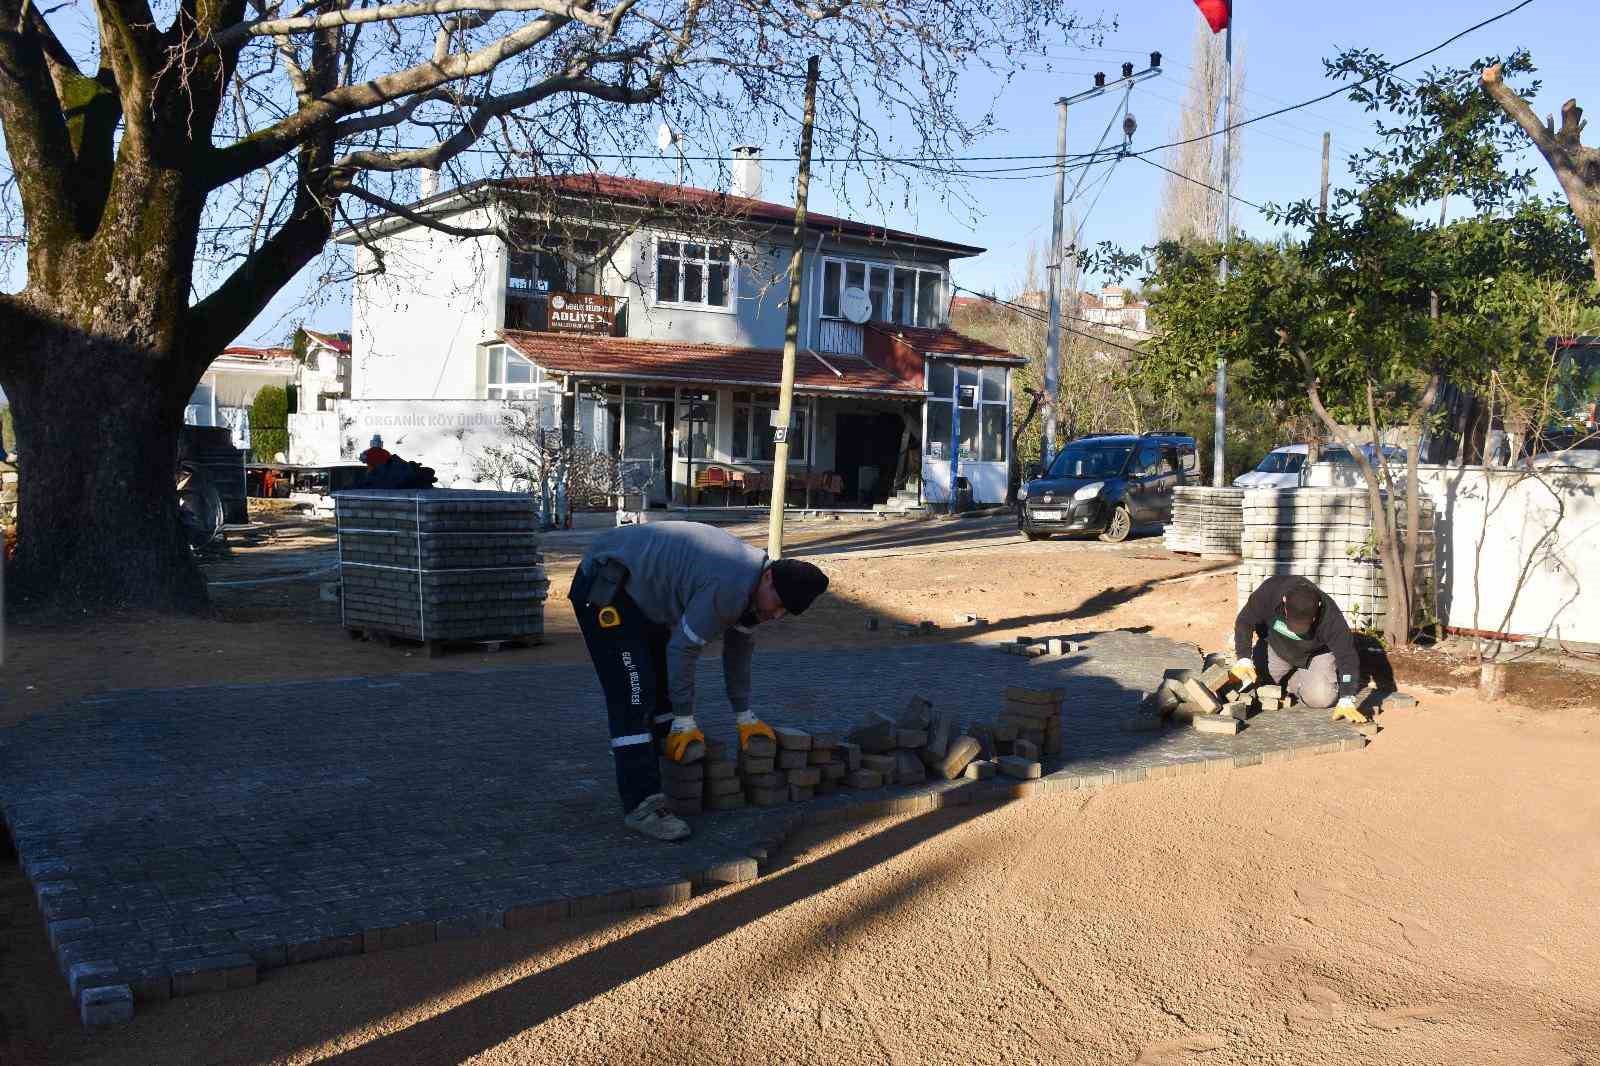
<point>178,840</point>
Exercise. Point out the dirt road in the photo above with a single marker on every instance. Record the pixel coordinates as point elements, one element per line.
<point>1431,899</point>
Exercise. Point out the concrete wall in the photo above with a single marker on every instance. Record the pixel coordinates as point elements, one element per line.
<point>415,328</point>
<point>444,434</point>
<point>1519,550</point>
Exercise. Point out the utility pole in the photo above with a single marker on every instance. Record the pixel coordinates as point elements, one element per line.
<point>1327,142</point>
<point>1052,352</point>
<point>1219,445</point>
<point>1052,349</point>
<point>791,331</point>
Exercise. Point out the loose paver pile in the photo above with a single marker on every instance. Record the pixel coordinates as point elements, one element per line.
<point>1325,534</point>
<point>1205,520</point>
<point>440,566</point>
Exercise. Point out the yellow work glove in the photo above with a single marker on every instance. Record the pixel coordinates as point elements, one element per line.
<point>685,743</point>
<point>1245,672</point>
<point>1347,710</point>
<point>754,727</point>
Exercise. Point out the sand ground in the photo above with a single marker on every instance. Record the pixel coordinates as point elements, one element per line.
<point>1433,899</point>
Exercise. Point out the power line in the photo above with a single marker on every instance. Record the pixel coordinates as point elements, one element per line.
<point>1197,181</point>
<point>1342,88</point>
<point>1034,314</point>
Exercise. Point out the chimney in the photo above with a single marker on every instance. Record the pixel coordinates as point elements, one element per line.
<point>429,183</point>
<point>747,171</point>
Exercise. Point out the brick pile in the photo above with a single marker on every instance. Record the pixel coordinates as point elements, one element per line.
<point>1205,520</point>
<point>437,566</point>
<point>1210,700</point>
<point>1325,534</point>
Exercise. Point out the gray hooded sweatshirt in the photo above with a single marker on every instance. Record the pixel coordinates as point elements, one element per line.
<point>700,581</point>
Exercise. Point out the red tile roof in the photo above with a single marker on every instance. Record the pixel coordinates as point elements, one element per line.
<point>263,354</point>
<point>948,344</point>
<point>706,364</point>
<point>330,340</point>
<point>722,205</point>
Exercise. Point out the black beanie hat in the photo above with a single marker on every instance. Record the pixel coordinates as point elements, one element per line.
<point>798,583</point>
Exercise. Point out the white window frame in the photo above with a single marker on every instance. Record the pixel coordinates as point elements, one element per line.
<point>732,286</point>
<point>953,398</point>
<point>916,271</point>
<point>535,388</point>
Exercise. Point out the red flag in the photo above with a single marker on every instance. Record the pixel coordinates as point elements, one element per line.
<point>1216,12</point>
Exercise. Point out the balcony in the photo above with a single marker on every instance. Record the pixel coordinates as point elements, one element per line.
<point>837,337</point>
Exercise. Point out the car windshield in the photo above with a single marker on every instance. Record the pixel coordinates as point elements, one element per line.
<point>1343,457</point>
<point>1091,460</point>
<point>1281,463</point>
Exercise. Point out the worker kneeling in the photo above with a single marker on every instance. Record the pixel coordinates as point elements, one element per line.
<point>1291,631</point>
<point>648,599</point>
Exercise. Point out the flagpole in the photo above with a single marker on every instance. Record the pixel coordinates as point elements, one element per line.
<point>1220,431</point>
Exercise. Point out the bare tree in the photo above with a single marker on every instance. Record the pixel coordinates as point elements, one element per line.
<point>1576,166</point>
<point>1189,210</point>
<point>172,172</point>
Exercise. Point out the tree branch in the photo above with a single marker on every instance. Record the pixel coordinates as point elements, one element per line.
<point>239,159</point>
<point>344,16</point>
<point>421,219</point>
<point>37,138</point>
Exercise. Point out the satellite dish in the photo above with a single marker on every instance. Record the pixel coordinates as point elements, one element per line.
<point>855,304</point>
<point>666,138</point>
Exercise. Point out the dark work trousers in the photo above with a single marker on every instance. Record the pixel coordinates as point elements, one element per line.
<point>631,661</point>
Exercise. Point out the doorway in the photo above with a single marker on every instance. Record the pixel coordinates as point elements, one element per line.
<point>866,455</point>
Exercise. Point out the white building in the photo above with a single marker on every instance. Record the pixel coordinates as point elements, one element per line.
<point>647,320</point>
<point>229,386</point>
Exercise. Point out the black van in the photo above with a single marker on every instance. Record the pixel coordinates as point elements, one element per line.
<point>1107,484</point>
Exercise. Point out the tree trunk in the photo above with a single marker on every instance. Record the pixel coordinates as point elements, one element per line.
<point>98,522</point>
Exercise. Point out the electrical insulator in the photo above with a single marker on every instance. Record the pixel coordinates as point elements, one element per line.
<point>1155,60</point>
<point>1129,125</point>
<point>1099,79</point>
<point>1127,70</point>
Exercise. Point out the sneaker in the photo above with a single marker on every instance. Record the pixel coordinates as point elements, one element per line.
<point>652,819</point>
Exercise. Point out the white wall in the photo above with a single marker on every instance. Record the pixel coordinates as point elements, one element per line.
<point>1519,551</point>
<point>415,328</point>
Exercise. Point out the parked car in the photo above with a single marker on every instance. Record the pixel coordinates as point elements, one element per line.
<point>1280,469</point>
<point>1346,471</point>
<point>1107,484</point>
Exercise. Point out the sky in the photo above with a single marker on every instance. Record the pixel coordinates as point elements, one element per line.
<point>1282,46</point>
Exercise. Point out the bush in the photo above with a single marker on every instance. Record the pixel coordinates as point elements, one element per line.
<point>269,423</point>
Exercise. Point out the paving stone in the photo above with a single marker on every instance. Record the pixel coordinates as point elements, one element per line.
<point>820,756</point>
<point>752,765</point>
<point>792,739</point>
<point>916,715</point>
<point>721,769</point>
<point>683,789</point>
<point>1018,767</point>
<point>801,793</point>
<point>876,736</point>
<point>865,779</point>
<point>215,974</point>
<point>881,764</point>
<point>685,772</point>
<point>792,760</point>
<point>732,801</point>
<point>834,771</point>
<point>468,926</point>
<point>244,820</point>
<point>960,753</point>
<point>760,747</point>
<point>105,1005</point>
<point>908,769</point>
<point>852,756</point>
<point>807,777</point>
<point>1217,723</point>
<point>775,779</point>
<point>1025,749</point>
<point>723,786</point>
<point>980,770</point>
<point>911,738</point>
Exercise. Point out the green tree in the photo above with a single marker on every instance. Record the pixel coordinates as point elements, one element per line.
<point>269,423</point>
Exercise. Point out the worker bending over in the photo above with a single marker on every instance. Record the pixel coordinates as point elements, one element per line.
<point>1291,631</point>
<point>648,599</point>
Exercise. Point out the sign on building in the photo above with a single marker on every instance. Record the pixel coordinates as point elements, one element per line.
<point>582,312</point>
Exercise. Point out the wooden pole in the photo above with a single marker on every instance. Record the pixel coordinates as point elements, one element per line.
<point>791,331</point>
<point>1327,144</point>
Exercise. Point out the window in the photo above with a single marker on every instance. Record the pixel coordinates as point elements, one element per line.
<point>511,377</point>
<point>977,397</point>
<point>700,438</point>
<point>692,273</point>
<point>903,295</point>
<point>1149,461</point>
<point>753,436</point>
<point>1090,460</point>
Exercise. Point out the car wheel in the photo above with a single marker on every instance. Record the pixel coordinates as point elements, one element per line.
<point>1119,527</point>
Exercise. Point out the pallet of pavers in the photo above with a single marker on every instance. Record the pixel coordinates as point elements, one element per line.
<point>440,567</point>
<point>1205,520</point>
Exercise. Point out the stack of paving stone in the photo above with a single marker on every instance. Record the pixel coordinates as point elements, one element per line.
<point>1325,534</point>
<point>439,566</point>
<point>1015,743</point>
<point>1205,520</point>
<point>907,748</point>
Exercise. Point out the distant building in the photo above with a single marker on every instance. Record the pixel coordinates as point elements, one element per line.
<point>1114,312</point>
<point>229,386</point>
